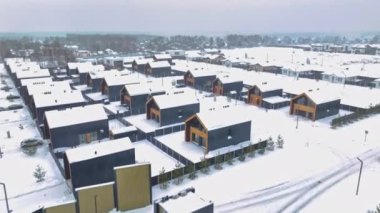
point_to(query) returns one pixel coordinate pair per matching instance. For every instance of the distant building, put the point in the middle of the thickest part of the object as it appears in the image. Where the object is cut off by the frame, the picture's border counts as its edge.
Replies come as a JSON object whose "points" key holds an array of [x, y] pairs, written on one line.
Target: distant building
{"points": [[257, 93], [112, 85], [139, 64], [163, 57], [227, 86], [158, 69]]}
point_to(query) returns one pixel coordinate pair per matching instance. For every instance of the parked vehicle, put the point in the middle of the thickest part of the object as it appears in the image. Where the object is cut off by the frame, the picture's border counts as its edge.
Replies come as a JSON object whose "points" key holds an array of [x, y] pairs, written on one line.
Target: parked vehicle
{"points": [[31, 142], [15, 106]]}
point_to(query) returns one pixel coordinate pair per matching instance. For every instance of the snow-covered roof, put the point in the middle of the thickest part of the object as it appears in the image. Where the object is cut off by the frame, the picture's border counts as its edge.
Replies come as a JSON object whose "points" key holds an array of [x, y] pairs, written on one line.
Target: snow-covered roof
{"points": [[23, 66], [175, 100], [158, 64], [124, 130], [121, 80], [96, 150], [163, 56], [201, 73], [215, 119], [191, 202], [275, 99], [57, 98], [228, 79], [88, 67], [144, 88], [75, 115], [48, 87], [143, 61], [102, 74], [36, 81], [319, 97], [33, 74], [95, 186], [266, 87]]}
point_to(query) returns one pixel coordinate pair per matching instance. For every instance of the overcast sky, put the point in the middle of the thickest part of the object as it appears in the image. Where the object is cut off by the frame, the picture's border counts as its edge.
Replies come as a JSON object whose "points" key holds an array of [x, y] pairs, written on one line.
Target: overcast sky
{"points": [[190, 16]]}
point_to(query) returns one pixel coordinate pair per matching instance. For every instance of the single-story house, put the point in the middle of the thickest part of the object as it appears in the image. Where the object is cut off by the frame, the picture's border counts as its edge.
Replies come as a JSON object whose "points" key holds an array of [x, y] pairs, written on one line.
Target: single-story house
{"points": [[170, 109], [227, 85], [199, 79], [217, 129], [158, 69], [41, 103], [135, 96], [314, 105], [264, 90], [94, 163], [85, 124]]}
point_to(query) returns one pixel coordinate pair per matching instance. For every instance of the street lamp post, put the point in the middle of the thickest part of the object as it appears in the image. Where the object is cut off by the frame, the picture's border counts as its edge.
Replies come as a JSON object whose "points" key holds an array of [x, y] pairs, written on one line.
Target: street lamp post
{"points": [[360, 174], [365, 135], [6, 197]]}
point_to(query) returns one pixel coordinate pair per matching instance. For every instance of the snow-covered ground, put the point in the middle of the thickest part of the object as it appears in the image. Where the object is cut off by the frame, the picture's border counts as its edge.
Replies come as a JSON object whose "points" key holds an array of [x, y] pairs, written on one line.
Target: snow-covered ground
{"points": [[16, 167], [147, 152]]}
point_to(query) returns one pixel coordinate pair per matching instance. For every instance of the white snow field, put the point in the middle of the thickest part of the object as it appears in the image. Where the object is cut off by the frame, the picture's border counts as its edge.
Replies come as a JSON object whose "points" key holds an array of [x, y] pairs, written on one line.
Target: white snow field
{"points": [[16, 167]]}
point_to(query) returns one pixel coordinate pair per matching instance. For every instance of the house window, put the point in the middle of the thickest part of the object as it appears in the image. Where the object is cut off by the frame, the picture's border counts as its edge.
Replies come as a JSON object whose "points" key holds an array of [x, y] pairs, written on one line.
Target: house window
{"points": [[180, 113], [229, 135]]}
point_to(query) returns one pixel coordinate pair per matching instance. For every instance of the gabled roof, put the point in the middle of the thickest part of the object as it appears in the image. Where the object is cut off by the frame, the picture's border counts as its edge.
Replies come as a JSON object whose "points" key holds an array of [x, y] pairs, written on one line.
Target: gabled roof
{"points": [[75, 115], [174, 100], [88, 67], [121, 80], [216, 119], [202, 73], [162, 56], [159, 64], [319, 97], [57, 98], [97, 150], [144, 88], [143, 61], [38, 73], [229, 79], [266, 87], [102, 74]]}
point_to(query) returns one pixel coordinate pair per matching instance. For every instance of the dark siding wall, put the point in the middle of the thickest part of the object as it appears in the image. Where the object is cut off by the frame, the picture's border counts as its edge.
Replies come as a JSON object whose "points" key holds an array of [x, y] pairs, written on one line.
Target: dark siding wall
{"points": [[204, 83], [96, 84], [69, 136], [327, 109], [161, 72], [235, 86], [170, 116], [272, 93], [275, 105], [207, 209], [139, 104], [218, 138], [99, 170], [82, 78], [114, 92]]}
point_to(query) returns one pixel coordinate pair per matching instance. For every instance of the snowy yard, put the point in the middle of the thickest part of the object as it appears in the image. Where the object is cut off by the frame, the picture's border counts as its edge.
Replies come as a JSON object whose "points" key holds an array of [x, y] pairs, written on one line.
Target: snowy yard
{"points": [[17, 168], [147, 152]]}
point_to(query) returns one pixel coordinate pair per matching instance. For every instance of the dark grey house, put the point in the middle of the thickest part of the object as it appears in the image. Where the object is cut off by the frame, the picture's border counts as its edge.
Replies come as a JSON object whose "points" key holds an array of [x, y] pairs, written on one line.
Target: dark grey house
{"points": [[112, 85], [139, 64], [135, 96], [217, 129], [41, 103], [33, 82], [95, 78], [163, 57], [226, 86], [258, 92], [74, 126], [94, 164], [158, 69], [199, 79], [171, 109], [314, 105]]}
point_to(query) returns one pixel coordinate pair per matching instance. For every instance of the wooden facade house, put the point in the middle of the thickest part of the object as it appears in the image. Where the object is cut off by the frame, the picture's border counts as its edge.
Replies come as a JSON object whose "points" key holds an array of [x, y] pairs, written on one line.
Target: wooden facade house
{"points": [[135, 96], [158, 69], [217, 129], [170, 109], [85, 124], [257, 93], [199, 79], [226, 86], [314, 105]]}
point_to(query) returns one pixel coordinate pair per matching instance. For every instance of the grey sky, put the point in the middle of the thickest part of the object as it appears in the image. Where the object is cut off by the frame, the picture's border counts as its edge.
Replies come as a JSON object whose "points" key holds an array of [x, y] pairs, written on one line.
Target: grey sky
{"points": [[190, 16]]}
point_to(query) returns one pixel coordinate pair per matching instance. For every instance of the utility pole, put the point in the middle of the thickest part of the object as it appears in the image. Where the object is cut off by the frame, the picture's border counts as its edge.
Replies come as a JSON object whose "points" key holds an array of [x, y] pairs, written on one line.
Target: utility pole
{"points": [[6, 197], [365, 135], [360, 174]]}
